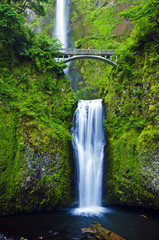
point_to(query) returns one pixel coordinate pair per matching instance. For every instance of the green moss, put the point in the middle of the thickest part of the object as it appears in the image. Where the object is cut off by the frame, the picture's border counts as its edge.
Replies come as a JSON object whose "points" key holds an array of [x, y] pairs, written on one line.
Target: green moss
{"points": [[131, 123], [35, 120], [152, 108], [130, 93]]}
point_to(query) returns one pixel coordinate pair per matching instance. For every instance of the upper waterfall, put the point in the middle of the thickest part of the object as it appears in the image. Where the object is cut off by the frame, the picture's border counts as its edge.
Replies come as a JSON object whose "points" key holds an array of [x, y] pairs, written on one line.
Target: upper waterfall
{"points": [[88, 143], [61, 23]]}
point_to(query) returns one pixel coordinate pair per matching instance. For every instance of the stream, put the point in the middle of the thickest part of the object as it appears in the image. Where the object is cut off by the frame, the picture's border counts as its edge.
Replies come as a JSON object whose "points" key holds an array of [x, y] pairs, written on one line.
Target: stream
{"points": [[61, 224]]}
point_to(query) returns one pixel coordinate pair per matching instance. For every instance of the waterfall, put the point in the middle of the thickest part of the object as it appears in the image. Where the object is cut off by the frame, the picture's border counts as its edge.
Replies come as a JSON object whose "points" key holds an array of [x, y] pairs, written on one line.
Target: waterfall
{"points": [[88, 135], [61, 23], [88, 144]]}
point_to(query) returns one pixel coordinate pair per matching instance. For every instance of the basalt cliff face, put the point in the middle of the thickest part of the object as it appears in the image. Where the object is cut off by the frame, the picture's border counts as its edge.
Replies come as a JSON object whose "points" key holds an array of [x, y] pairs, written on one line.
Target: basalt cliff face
{"points": [[130, 93], [36, 110], [35, 160]]}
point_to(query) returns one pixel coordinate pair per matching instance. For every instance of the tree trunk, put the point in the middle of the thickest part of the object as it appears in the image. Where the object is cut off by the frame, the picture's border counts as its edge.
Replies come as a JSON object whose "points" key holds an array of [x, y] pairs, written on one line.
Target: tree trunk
{"points": [[101, 233]]}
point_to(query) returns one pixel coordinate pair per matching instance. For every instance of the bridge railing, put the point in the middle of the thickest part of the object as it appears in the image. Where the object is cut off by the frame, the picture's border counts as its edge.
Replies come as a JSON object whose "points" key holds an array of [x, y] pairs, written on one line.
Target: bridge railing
{"points": [[76, 51]]}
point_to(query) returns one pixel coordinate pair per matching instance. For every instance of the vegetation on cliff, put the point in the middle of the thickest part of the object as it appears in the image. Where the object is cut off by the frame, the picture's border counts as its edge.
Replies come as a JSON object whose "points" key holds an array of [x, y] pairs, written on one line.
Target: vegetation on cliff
{"points": [[133, 112], [36, 108], [130, 92], [37, 103], [21, 6]]}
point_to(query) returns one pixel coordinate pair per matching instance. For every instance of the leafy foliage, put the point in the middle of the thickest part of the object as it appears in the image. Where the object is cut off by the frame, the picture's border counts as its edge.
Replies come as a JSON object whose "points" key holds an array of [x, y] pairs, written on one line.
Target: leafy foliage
{"points": [[36, 106], [130, 93], [18, 42], [14, 34], [36, 111], [43, 52], [22, 5], [131, 109], [146, 19]]}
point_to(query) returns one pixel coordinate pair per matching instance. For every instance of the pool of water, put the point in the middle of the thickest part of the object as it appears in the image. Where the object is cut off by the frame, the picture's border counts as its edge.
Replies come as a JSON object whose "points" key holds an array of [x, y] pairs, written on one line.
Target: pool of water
{"points": [[130, 223]]}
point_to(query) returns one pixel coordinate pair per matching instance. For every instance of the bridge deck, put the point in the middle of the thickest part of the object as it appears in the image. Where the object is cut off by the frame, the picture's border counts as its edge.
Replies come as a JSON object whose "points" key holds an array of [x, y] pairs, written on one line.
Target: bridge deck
{"points": [[72, 52]]}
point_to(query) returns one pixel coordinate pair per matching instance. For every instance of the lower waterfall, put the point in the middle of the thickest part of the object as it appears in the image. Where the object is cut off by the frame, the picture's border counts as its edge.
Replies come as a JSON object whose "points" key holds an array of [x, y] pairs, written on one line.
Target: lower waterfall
{"points": [[88, 144]]}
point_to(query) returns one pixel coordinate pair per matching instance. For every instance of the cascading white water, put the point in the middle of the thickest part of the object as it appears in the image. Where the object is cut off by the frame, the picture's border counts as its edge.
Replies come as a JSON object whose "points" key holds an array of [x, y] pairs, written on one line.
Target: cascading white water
{"points": [[61, 21], [88, 143], [88, 135]]}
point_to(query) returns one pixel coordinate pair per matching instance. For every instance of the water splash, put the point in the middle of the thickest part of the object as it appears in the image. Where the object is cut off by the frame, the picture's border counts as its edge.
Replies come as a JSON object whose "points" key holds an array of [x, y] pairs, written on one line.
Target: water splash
{"points": [[90, 211], [88, 143]]}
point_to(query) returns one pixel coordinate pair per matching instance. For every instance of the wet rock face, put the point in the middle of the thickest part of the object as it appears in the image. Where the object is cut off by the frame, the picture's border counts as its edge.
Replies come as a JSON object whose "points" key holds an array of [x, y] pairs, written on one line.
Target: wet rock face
{"points": [[30, 16], [37, 165], [39, 182], [101, 3], [44, 23], [44, 185], [150, 170], [149, 162]]}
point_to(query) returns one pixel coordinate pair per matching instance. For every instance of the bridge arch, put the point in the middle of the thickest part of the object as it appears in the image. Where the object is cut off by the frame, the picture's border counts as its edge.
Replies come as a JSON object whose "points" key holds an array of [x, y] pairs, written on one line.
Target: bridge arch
{"points": [[68, 55], [95, 57]]}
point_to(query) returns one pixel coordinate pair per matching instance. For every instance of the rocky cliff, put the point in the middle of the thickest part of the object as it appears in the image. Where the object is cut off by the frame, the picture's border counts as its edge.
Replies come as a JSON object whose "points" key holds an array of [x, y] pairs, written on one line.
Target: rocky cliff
{"points": [[130, 93], [36, 110]]}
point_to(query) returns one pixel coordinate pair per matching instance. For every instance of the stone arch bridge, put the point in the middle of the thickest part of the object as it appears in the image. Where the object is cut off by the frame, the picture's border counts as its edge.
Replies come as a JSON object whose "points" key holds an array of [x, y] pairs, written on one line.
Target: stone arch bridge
{"points": [[104, 55]]}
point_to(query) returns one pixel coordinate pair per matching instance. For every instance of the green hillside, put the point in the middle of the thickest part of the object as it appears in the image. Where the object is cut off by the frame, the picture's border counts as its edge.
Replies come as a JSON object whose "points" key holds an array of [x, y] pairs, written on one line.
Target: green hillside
{"points": [[130, 92], [36, 106]]}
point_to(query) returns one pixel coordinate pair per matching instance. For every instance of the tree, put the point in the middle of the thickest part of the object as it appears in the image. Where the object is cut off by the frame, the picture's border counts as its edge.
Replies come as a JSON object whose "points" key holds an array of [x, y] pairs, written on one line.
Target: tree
{"points": [[14, 34], [150, 9], [22, 5], [19, 42], [146, 19]]}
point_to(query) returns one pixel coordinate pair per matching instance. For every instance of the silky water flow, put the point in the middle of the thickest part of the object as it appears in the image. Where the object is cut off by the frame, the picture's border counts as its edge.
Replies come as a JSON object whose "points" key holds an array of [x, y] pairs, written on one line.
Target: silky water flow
{"points": [[88, 134], [61, 23], [88, 144]]}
